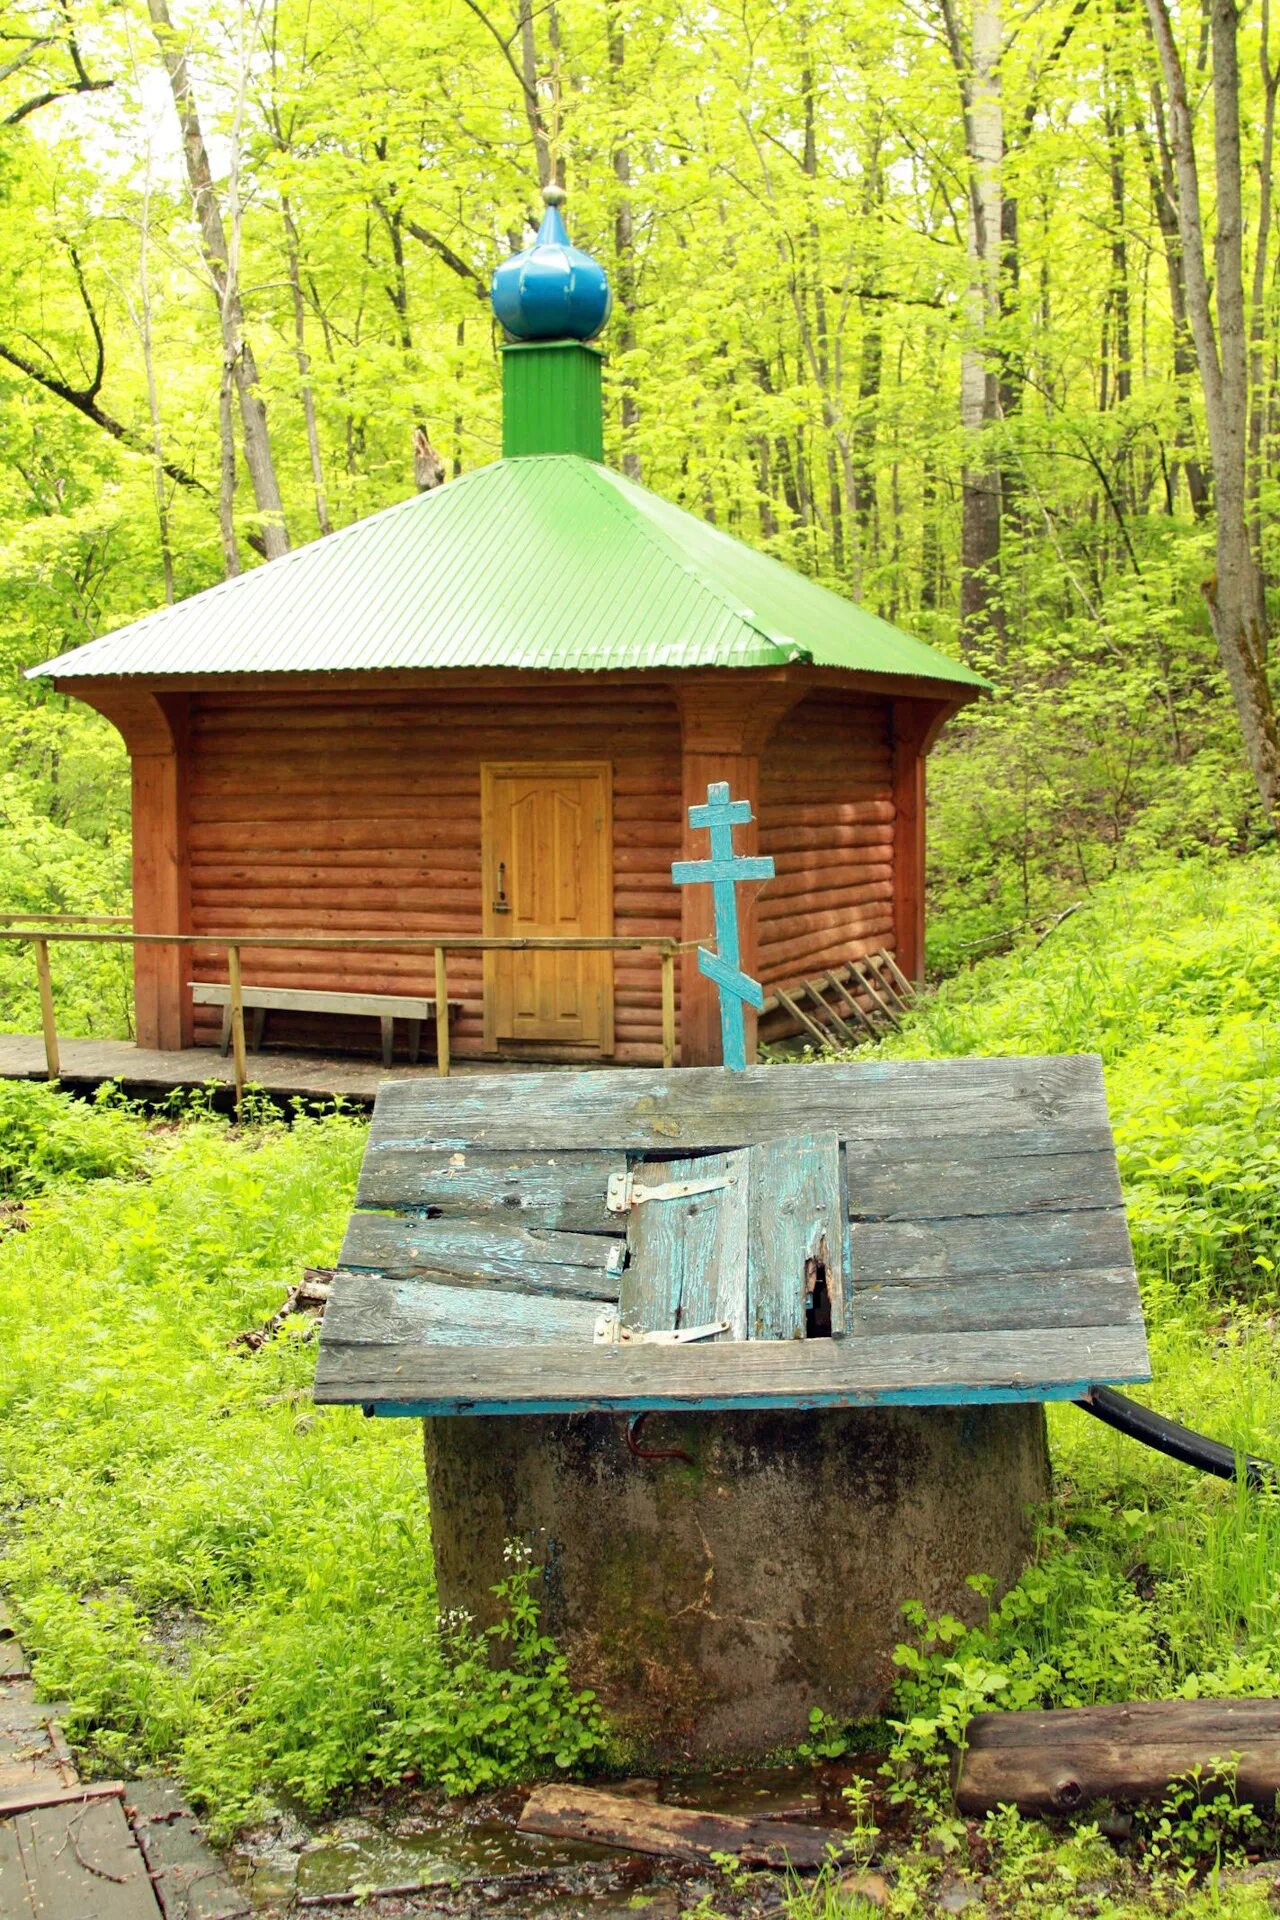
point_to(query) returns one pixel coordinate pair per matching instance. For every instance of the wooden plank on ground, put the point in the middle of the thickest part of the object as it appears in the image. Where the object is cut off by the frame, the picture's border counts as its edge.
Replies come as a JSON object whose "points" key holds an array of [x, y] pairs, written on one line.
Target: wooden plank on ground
{"points": [[31, 1761], [74, 1863], [688, 1264], [20, 1711], [914, 1369], [366, 1311], [491, 1253], [190, 1881], [900, 1101], [681, 1833], [1058, 1761], [14, 1664], [556, 1191], [795, 1221], [24, 1799]]}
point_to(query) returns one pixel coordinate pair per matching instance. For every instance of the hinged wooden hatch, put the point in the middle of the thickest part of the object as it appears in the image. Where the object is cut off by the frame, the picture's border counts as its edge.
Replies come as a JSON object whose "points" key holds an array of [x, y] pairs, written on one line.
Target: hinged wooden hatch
{"points": [[932, 1232]]}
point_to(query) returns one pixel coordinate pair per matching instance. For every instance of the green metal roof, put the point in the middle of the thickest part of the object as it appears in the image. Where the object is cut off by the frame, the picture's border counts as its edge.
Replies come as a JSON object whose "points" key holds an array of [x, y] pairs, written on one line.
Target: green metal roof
{"points": [[547, 561]]}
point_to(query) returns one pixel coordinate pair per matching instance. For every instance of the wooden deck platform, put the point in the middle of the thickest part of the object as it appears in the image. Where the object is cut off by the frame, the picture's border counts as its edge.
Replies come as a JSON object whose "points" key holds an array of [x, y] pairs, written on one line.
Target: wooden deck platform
{"points": [[144, 1071]]}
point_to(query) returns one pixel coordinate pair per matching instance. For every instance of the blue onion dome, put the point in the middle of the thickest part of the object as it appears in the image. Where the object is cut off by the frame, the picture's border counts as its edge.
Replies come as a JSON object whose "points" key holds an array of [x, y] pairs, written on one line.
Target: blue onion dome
{"points": [[552, 291]]}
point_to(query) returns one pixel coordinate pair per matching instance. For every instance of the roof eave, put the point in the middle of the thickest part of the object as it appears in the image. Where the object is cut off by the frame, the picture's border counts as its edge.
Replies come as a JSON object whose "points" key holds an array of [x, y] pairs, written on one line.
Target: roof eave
{"points": [[892, 685]]}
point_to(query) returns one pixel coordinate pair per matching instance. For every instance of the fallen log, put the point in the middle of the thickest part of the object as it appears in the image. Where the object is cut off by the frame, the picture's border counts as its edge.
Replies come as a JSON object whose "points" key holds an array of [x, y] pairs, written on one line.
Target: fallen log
{"points": [[1061, 1760], [680, 1833]]}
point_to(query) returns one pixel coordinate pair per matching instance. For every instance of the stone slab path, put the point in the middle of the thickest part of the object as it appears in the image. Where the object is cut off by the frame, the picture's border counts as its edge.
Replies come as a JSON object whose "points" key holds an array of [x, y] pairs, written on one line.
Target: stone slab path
{"points": [[92, 1850]]}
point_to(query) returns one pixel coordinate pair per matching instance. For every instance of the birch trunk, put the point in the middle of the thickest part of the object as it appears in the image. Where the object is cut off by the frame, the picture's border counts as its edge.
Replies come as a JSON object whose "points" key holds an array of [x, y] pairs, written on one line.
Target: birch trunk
{"points": [[978, 74], [624, 264], [1164, 199], [142, 321], [1259, 396], [237, 351], [303, 359], [1234, 593], [227, 474]]}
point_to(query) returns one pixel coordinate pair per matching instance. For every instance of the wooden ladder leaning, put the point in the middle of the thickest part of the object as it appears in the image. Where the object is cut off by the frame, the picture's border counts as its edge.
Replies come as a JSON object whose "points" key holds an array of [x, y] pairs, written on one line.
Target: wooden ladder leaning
{"points": [[843, 1006]]}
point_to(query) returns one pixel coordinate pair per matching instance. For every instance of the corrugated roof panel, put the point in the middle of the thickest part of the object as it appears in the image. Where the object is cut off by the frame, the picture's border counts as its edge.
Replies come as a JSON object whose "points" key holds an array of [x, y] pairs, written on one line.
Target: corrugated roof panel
{"points": [[548, 561]]}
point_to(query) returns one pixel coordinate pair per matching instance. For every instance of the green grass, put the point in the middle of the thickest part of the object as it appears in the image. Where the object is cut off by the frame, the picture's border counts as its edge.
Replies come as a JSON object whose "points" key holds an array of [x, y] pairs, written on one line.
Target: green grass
{"points": [[1150, 1580], [1154, 1579], [222, 1580], [227, 1583]]}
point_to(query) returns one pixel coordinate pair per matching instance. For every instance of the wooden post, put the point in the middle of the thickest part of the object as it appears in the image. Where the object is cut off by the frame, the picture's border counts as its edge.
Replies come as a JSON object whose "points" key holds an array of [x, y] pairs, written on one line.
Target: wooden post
{"points": [[237, 1021], [916, 725], [442, 1014], [46, 1009], [669, 1008], [154, 727]]}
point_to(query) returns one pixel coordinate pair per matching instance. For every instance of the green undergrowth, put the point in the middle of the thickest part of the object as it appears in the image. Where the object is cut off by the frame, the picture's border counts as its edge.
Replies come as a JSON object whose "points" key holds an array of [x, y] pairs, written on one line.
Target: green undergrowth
{"points": [[222, 1580], [1150, 1580], [228, 1584]]}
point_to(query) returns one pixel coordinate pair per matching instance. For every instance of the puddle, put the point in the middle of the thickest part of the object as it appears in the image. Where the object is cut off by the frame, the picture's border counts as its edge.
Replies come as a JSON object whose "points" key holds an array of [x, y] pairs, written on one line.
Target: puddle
{"points": [[445, 1854], [478, 1862]]}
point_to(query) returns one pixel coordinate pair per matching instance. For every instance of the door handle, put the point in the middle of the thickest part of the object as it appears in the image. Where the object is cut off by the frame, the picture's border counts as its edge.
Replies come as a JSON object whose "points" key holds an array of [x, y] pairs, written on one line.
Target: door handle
{"points": [[502, 904]]}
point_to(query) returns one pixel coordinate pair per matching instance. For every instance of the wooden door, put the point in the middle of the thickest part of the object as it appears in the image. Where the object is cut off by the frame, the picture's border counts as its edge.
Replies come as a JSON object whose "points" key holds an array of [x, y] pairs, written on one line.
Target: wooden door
{"points": [[548, 873]]}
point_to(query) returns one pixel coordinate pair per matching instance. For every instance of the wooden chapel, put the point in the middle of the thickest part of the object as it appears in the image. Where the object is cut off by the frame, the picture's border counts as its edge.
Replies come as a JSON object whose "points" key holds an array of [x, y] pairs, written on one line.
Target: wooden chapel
{"points": [[487, 710]]}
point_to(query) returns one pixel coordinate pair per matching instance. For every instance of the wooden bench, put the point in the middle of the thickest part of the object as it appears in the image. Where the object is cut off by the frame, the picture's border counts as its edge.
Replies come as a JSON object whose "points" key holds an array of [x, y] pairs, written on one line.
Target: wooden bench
{"points": [[387, 1008]]}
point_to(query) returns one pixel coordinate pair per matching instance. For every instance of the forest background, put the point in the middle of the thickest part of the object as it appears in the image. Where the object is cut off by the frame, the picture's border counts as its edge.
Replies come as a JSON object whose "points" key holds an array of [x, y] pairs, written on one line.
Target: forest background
{"points": [[969, 308]]}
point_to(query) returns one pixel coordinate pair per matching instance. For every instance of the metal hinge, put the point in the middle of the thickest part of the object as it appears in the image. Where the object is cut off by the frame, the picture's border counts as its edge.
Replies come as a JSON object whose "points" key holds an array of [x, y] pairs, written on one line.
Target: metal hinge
{"points": [[610, 1332], [625, 1191]]}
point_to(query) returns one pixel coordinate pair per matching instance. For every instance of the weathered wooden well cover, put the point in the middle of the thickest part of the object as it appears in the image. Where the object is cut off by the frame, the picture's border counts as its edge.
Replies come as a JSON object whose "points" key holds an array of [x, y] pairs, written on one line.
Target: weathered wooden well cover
{"points": [[923, 1232]]}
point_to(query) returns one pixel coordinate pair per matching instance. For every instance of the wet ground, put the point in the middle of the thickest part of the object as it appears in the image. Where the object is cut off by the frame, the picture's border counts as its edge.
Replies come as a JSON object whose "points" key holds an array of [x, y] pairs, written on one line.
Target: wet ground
{"points": [[466, 1859]]}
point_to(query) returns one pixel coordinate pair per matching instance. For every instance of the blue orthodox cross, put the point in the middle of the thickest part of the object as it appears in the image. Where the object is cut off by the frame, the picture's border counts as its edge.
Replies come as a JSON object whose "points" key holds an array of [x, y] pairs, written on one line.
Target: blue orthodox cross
{"points": [[725, 867]]}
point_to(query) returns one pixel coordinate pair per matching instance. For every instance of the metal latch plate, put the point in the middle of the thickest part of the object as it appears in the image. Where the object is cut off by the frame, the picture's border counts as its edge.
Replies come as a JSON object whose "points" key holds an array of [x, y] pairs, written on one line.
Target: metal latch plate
{"points": [[610, 1332], [625, 1191]]}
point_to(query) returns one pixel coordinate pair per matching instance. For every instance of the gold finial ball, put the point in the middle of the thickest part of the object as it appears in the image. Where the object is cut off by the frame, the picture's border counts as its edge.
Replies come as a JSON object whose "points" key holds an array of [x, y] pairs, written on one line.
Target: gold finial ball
{"points": [[555, 196]]}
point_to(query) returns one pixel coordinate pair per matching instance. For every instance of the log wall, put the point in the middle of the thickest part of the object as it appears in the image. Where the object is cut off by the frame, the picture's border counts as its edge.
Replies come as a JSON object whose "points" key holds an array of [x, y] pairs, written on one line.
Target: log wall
{"points": [[326, 812], [827, 817]]}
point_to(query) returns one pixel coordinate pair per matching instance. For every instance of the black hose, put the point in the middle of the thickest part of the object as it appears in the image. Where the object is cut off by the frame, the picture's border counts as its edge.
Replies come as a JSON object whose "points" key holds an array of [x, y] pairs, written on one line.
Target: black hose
{"points": [[1180, 1443]]}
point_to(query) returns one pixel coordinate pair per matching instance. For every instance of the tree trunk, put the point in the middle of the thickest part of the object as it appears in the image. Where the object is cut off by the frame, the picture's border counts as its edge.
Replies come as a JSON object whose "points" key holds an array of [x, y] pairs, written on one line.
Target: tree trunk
{"points": [[978, 74], [142, 320], [871, 360], [236, 348], [304, 366], [1234, 593], [428, 467], [624, 262], [1164, 199], [227, 474], [1118, 291], [389, 212], [1258, 383], [530, 81]]}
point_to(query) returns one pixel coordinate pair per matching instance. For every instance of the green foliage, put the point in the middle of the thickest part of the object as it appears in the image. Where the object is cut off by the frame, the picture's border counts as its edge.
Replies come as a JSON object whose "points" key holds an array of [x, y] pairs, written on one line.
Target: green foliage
{"points": [[62, 852], [220, 1579], [47, 1140], [1173, 976], [1203, 1822], [1149, 1580], [792, 314]]}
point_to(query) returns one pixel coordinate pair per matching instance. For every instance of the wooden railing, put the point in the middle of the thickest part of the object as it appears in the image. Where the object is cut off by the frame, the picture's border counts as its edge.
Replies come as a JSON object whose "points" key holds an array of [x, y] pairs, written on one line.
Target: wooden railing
{"points": [[89, 931]]}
